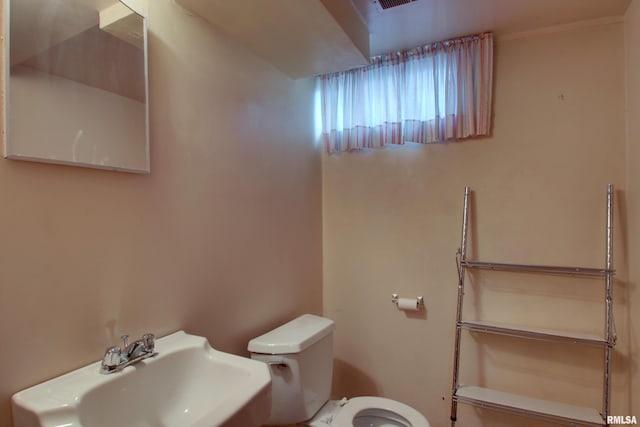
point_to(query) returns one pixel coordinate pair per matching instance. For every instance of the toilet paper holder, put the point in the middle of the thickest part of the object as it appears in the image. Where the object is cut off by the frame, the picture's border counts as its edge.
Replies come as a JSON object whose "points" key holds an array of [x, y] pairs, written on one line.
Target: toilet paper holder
{"points": [[419, 300]]}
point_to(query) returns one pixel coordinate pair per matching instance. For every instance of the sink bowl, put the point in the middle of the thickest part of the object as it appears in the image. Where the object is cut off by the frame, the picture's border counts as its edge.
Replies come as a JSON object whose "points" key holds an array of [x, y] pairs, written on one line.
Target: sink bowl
{"points": [[187, 384]]}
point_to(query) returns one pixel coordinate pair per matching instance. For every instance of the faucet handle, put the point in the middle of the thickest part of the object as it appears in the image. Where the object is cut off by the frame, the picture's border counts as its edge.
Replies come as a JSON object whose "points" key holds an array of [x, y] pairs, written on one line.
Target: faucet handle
{"points": [[149, 341], [112, 358], [125, 341]]}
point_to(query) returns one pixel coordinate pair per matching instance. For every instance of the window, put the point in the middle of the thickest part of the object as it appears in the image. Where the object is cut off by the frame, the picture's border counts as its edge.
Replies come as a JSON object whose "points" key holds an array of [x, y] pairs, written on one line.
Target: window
{"points": [[434, 93]]}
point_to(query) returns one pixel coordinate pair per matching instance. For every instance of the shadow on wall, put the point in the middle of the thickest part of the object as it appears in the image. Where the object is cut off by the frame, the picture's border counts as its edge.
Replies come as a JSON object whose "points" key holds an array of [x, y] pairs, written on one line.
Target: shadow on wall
{"points": [[625, 358], [351, 381]]}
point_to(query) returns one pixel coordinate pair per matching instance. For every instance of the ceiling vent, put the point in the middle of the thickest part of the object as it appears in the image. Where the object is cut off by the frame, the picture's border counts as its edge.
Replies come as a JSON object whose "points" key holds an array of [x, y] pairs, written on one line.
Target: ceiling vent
{"points": [[388, 4]]}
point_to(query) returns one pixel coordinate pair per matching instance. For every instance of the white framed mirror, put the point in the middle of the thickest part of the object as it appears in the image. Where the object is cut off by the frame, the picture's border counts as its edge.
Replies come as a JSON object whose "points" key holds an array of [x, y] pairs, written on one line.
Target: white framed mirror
{"points": [[76, 89]]}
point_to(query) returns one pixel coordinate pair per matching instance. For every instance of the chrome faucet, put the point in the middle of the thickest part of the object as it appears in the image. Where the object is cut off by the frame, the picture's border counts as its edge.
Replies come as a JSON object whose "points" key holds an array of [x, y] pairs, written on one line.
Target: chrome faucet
{"points": [[116, 359]]}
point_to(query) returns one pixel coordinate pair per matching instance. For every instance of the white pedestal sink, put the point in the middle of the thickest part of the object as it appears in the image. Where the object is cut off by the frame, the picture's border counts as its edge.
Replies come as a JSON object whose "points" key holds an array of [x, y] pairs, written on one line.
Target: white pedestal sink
{"points": [[187, 384]]}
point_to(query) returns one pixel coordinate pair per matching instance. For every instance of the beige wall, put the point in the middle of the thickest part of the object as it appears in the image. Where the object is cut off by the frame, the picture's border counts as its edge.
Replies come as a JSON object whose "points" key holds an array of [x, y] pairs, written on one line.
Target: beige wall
{"points": [[392, 222], [632, 39], [223, 239]]}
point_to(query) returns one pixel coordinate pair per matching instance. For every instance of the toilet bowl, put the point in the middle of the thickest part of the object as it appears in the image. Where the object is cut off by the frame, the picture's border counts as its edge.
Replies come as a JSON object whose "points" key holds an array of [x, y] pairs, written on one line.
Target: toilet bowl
{"points": [[367, 411], [300, 356]]}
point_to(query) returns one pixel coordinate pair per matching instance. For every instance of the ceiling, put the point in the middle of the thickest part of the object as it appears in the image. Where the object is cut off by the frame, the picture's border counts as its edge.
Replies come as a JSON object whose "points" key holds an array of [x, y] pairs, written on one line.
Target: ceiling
{"points": [[300, 37], [310, 37], [424, 21]]}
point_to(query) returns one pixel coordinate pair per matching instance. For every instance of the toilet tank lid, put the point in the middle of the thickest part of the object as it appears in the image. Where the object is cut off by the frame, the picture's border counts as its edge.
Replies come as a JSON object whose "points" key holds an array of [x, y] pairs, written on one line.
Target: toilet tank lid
{"points": [[292, 337]]}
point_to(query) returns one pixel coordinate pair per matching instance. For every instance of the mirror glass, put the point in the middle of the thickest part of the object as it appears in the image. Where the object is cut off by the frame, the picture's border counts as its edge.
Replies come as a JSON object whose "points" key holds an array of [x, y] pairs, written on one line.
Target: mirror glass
{"points": [[77, 86]]}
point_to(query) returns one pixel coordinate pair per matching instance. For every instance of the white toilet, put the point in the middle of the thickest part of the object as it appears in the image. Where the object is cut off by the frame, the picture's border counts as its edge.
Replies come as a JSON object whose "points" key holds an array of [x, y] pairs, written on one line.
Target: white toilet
{"points": [[300, 354]]}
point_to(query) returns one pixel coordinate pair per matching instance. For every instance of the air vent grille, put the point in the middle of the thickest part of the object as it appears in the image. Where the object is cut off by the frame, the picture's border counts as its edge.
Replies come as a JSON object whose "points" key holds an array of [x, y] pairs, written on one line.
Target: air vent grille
{"points": [[388, 4]]}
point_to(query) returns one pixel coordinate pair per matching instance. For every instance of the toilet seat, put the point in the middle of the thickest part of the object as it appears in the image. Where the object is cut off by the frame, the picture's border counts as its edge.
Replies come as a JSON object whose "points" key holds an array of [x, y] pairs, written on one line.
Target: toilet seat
{"points": [[379, 406], [363, 411]]}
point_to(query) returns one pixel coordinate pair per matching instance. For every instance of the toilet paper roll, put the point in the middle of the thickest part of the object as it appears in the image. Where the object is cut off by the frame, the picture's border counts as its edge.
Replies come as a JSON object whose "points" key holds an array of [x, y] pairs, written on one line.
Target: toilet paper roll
{"points": [[410, 304]]}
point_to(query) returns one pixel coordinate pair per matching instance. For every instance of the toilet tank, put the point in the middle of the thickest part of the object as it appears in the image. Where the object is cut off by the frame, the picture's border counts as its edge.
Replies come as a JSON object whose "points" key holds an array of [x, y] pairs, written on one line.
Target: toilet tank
{"points": [[300, 357]]}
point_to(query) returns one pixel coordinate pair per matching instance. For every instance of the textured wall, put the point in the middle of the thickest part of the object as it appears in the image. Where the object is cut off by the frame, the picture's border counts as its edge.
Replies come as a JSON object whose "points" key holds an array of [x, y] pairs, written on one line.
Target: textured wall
{"points": [[222, 239], [392, 222], [632, 39]]}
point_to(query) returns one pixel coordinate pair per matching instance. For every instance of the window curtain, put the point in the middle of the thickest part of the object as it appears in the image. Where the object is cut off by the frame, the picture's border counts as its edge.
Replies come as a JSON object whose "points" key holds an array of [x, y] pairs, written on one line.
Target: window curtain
{"points": [[434, 93]]}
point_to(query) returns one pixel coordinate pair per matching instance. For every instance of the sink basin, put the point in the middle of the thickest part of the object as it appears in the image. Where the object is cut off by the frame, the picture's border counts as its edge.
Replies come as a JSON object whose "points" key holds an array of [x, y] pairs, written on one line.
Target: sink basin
{"points": [[187, 384]]}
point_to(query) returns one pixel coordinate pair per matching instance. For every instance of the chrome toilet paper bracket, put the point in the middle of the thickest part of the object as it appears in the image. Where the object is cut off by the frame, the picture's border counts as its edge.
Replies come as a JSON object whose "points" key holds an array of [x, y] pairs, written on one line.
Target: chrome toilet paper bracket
{"points": [[419, 300]]}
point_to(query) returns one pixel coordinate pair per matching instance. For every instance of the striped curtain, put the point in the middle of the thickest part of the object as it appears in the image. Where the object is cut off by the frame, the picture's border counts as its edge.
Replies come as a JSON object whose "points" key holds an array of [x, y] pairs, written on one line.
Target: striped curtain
{"points": [[434, 93]]}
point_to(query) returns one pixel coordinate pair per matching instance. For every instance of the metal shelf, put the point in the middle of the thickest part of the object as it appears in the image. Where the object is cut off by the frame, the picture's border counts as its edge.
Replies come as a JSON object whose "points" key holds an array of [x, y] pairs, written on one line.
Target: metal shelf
{"points": [[549, 269], [522, 405], [533, 333]]}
